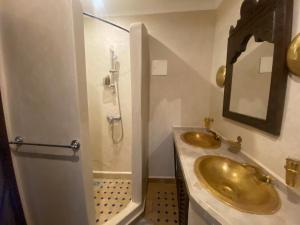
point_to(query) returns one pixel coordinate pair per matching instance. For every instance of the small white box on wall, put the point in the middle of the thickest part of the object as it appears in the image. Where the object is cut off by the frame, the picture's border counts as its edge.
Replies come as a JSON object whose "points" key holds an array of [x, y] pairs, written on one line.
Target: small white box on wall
{"points": [[159, 68]]}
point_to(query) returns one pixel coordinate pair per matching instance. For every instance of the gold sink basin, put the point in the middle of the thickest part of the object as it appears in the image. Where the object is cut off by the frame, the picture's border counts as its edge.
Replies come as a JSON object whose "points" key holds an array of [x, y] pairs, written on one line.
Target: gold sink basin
{"points": [[241, 186], [201, 139]]}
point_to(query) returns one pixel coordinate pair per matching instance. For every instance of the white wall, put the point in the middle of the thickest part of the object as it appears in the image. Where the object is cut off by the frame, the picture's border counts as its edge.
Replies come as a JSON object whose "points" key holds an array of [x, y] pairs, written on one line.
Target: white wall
{"points": [[140, 110], [266, 149], [43, 74], [99, 38], [185, 40]]}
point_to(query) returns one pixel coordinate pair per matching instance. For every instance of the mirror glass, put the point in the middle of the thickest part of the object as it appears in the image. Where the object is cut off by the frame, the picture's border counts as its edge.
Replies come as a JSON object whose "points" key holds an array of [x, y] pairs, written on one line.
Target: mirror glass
{"points": [[251, 80]]}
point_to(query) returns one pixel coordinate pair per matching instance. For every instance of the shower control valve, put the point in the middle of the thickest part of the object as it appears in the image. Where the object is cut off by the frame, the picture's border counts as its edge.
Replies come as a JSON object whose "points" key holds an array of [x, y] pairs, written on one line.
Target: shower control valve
{"points": [[112, 119]]}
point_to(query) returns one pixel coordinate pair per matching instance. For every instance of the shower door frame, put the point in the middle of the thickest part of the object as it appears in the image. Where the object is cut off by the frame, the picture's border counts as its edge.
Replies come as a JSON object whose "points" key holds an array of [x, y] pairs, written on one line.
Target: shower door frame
{"points": [[140, 80]]}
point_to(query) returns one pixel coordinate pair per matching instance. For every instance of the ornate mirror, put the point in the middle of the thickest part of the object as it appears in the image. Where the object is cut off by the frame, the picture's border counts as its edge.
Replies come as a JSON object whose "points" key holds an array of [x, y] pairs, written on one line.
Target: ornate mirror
{"points": [[256, 77]]}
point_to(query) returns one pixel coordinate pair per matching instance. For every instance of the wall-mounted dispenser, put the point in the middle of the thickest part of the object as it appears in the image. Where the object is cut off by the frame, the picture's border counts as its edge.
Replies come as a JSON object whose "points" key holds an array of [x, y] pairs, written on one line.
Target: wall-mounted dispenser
{"points": [[106, 81], [292, 168]]}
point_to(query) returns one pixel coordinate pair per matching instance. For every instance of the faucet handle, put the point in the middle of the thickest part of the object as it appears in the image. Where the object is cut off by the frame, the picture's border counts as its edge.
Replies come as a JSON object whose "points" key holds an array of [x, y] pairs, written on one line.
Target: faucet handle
{"points": [[268, 179], [208, 122], [235, 146]]}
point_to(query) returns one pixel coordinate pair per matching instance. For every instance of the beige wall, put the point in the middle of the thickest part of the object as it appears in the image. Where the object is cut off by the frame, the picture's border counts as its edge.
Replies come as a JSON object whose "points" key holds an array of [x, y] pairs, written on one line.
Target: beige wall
{"points": [[99, 38], [41, 79], [185, 40], [266, 149], [139, 52]]}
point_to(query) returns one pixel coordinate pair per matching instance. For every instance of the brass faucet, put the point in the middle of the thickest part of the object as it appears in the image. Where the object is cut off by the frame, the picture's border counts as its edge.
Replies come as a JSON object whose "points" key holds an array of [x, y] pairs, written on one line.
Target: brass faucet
{"points": [[259, 174], [208, 121], [292, 168], [234, 146], [216, 136], [208, 124]]}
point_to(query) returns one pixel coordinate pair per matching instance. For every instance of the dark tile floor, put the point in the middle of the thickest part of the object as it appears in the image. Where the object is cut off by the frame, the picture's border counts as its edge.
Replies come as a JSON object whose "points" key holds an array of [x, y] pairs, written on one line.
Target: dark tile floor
{"points": [[161, 204]]}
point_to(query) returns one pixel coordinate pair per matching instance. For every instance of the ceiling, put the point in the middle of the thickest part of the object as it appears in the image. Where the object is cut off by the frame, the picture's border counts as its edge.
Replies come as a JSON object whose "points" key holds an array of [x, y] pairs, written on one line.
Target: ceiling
{"points": [[140, 7]]}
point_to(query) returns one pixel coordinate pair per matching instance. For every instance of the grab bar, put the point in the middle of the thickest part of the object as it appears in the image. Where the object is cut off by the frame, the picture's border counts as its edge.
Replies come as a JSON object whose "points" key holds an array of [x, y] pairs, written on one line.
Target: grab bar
{"points": [[75, 144]]}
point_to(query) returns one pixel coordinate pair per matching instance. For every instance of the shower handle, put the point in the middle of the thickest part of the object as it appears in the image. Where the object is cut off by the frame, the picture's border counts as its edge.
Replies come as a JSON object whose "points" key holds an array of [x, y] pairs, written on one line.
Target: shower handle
{"points": [[112, 119]]}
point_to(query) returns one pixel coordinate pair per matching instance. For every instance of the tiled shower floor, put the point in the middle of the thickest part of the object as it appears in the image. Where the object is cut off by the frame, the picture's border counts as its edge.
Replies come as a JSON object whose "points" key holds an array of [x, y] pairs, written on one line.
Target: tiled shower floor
{"points": [[111, 196]]}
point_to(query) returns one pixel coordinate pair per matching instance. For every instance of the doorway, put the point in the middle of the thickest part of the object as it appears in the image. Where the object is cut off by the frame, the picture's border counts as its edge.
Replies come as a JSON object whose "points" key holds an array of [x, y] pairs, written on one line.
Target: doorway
{"points": [[11, 212]]}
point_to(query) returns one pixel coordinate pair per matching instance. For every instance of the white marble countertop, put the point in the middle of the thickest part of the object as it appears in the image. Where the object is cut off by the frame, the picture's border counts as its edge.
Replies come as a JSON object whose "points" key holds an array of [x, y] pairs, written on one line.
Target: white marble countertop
{"points": [[288, 214]]}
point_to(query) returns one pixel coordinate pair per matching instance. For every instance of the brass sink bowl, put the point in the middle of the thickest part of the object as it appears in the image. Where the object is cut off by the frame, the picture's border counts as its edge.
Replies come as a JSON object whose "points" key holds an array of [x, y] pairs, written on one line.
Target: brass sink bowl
{"points": [[201, 139], [239, 185]]}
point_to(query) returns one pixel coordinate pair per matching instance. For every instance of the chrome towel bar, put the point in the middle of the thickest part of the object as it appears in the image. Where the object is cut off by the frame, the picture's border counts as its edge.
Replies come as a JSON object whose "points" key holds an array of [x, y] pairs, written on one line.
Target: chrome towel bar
{"points": [[75, 144]]}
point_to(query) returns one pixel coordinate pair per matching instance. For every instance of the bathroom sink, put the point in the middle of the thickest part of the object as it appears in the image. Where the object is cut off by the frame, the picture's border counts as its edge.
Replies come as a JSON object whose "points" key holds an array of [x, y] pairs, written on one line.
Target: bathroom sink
{"points": [[201, 139], [241, 186]]}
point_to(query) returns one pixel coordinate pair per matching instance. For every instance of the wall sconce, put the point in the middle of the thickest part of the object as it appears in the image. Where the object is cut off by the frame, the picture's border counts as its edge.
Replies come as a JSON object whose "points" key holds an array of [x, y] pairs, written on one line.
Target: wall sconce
{"points": [[293, 56], [221, 75]]}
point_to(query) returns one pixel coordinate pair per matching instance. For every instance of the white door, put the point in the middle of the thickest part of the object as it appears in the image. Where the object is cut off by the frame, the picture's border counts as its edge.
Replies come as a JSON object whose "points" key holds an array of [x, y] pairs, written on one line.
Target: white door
{"points": [[44, 94]]}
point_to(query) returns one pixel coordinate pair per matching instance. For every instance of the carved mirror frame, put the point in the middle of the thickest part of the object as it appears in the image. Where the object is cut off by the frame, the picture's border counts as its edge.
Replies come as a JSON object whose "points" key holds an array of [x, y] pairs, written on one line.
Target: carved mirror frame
{"points": [[265, 20]]}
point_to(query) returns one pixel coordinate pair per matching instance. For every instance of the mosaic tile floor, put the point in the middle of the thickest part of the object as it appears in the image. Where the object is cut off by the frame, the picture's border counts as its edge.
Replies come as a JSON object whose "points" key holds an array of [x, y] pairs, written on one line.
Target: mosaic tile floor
{"points": [[111, 196], [161, 204]]}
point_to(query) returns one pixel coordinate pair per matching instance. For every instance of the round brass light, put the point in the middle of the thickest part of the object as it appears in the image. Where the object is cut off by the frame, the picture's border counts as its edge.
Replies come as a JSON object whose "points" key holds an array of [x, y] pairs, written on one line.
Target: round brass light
{"points": [[221, 74], [293, 56]]}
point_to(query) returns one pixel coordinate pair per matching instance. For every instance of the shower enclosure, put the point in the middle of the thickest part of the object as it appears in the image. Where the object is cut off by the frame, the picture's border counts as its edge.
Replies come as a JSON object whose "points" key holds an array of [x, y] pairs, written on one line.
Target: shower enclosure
{"points": [[109, 85]]}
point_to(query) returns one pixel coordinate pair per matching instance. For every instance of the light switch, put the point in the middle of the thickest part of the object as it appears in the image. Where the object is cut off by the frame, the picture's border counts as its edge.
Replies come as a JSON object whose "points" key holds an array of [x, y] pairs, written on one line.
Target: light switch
{"points": [[266, 64], [159, 68]]}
